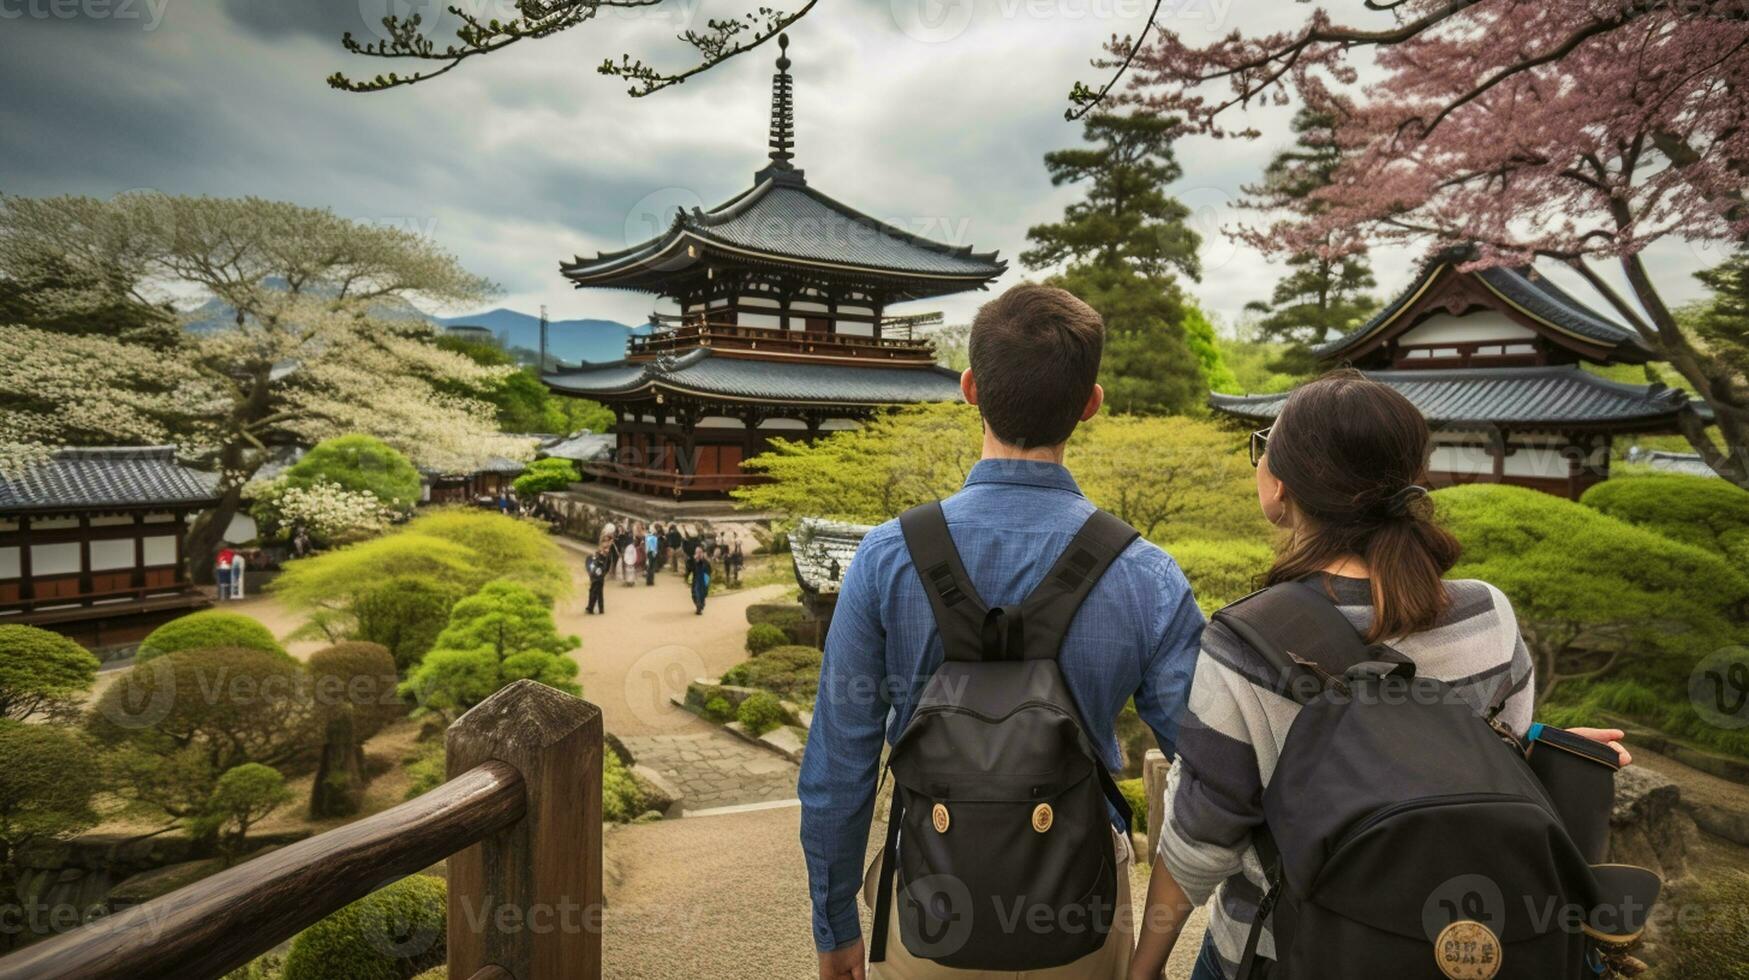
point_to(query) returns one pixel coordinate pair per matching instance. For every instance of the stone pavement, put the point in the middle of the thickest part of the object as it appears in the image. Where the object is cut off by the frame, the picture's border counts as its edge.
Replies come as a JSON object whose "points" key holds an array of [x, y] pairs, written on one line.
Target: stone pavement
{"points": [[713, 768]]}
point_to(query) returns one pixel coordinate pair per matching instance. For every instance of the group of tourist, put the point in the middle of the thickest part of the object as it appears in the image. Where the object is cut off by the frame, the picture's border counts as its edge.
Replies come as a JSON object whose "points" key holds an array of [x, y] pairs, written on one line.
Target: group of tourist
{"points": [[1008, 625], [638, 550]]}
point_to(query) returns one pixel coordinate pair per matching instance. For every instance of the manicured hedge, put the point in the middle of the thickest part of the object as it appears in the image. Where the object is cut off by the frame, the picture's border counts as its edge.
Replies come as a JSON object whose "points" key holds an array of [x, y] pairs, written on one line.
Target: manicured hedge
{"points": [[764, 636], [791, 672], [1221, 571], [394, 933], [1695, 510], [203, 630], [761, 713]]}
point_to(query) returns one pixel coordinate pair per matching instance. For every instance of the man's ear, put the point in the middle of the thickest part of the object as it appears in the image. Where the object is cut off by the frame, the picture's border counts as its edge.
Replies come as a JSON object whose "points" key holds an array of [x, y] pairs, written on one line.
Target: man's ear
{"points": [[1093, 402], [969, 387]]}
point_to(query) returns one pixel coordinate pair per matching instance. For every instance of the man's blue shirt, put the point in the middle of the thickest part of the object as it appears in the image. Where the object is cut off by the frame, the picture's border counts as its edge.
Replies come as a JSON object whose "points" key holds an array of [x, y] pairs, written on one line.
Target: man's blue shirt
{"points": [[1135, 635]]}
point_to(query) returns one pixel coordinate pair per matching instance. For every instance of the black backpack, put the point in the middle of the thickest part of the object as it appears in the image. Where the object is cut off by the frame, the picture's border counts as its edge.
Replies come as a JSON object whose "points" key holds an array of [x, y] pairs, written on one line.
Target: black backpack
{"points": [[1406, 835], [999, 796]]}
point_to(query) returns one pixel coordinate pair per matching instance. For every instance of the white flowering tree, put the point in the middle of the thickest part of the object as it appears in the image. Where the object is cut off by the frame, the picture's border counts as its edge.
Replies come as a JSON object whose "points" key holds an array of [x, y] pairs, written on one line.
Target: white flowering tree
{"points": [[320, 338]]}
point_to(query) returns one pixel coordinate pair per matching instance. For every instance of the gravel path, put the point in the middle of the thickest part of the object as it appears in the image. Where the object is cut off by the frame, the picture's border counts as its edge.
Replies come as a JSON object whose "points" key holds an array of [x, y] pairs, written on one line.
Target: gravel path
{"points": [[727, 896]]}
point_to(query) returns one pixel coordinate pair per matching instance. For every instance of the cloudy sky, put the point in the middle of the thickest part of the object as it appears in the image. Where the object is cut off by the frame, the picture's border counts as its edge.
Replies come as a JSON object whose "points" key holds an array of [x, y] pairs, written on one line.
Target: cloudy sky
{"points": [[931, 114]]}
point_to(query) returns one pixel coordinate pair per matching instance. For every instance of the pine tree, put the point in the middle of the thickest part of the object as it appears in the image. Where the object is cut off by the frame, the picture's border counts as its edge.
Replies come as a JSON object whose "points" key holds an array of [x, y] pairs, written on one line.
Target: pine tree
{"points": [[1122, 248], [1320, 298]]}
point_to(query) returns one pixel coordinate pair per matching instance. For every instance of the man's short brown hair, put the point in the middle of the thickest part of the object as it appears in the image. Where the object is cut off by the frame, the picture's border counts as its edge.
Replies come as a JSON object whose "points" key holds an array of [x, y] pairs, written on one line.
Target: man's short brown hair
{"points": [[1035, 356]]}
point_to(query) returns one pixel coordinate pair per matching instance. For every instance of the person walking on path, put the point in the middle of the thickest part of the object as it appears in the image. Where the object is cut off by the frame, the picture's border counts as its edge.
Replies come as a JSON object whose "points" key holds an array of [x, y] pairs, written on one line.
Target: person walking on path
{"points": [[1035, 353], [674, 543], [701, 580], [222, 572], [736, 558], [628, 562], [611, 545], [691, 546], [652, 555], [237, 566], [597, 568]]}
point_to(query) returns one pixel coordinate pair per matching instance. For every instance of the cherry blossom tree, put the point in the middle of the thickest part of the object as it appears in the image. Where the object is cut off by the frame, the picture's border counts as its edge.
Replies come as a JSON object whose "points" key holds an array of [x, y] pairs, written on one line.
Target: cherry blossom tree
{"points": [[320, 337], [1580, 132]]}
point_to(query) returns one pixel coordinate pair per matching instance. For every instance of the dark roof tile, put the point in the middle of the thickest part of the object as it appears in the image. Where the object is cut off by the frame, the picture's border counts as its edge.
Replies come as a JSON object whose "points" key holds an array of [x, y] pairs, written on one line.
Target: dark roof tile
{"points": [[123, 476]]}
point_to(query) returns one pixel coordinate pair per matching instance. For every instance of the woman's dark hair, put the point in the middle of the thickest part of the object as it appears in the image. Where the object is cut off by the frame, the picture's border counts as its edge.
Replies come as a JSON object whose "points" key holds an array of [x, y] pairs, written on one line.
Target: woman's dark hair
{"points": [[1352, 454]]}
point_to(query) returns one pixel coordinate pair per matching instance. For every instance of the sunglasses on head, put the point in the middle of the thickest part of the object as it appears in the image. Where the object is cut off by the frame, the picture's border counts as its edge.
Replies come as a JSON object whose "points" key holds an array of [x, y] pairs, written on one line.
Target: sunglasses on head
{"points": [[1259, 444]]}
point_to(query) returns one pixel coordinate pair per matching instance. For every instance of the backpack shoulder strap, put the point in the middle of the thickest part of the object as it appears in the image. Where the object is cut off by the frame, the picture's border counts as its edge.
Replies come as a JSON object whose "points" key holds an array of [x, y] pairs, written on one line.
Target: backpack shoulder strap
{"points": [[1304, 639], [1051, 607], [959, 613]]}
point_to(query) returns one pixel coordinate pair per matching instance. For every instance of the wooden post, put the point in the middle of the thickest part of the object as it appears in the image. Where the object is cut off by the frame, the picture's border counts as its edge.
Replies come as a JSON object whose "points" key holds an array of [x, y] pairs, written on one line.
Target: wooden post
{"points": [[1154, 770], [528, 898]]}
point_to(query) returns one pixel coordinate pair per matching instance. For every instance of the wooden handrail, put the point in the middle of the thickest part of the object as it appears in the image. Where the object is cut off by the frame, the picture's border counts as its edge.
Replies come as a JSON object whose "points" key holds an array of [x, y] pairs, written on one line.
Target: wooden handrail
{"points": [[519, 821], [222, 922]]}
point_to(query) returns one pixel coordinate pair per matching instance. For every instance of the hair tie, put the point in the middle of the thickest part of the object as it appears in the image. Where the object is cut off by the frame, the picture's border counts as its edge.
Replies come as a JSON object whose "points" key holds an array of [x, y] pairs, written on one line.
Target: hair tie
{"points": [[1402, 500]]}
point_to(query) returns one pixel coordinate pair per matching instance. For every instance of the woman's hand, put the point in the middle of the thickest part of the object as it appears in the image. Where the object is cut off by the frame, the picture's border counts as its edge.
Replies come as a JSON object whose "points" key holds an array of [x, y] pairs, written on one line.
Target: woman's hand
{"points": [[1609, 736]]}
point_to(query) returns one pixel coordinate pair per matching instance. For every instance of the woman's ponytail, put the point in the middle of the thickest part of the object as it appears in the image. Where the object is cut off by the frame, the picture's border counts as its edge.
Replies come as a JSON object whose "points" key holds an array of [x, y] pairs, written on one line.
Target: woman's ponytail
{"points": [[1352, 454]]}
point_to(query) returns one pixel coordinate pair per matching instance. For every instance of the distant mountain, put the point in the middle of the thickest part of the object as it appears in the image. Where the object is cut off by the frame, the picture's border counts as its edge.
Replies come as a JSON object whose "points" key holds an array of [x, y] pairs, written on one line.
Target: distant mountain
{"points": [[567, 340], [518, 333]]}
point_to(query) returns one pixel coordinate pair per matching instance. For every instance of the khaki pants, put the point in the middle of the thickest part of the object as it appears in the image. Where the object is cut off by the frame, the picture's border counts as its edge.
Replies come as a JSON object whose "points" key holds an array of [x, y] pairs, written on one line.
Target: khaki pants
{"points": [[1110, 961]]}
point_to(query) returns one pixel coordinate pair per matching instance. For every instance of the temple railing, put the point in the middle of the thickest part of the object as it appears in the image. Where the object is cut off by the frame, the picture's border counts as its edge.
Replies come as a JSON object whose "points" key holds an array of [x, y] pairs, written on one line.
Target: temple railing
{"points": [[644, 480], [519, 821], [728, 336]]}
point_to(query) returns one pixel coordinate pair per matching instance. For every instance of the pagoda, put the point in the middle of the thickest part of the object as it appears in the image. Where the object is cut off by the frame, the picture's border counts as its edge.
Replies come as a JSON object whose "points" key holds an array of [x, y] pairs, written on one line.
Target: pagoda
{"points": [[783, 326], [1495, 358]]}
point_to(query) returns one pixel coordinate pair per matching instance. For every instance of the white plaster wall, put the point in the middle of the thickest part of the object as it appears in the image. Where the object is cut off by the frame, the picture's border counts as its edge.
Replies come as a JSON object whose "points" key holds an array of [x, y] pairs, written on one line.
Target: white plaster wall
{"points": [[115, 553], [161, 551], [1482, 325], [9, 566], [54, 559]]}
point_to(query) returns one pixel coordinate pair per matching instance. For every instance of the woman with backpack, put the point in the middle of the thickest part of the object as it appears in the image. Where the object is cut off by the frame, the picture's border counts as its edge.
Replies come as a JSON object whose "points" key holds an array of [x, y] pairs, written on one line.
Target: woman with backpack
{"points": [[1343, 473]]}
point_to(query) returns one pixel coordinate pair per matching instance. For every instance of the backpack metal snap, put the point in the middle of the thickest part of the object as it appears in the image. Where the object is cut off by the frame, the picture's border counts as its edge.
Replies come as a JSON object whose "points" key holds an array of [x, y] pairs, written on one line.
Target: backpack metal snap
{"points": [[1042, 817], [938, 816]]}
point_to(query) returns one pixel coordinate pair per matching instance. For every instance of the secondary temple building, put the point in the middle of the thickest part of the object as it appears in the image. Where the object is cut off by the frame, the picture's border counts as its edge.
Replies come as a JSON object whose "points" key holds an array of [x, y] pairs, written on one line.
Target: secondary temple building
{"points": [[91, 542], [1493, 358], [783, 326]]}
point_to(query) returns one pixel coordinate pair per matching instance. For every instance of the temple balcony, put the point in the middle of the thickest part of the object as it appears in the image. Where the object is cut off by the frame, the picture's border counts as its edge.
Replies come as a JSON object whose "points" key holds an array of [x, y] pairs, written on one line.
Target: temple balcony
{"points": [[769, 342]]}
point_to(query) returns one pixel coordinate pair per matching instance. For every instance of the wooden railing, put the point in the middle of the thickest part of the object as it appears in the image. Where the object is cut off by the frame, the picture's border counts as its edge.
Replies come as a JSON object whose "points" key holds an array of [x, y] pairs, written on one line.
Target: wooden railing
{"points": [[1155, 768], [728, 336], [519, 821], [644, 480]]}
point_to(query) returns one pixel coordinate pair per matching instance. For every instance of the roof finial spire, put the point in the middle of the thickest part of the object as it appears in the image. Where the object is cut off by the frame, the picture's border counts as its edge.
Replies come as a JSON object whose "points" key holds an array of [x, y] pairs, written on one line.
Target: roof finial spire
{"points": [[783, 116]]}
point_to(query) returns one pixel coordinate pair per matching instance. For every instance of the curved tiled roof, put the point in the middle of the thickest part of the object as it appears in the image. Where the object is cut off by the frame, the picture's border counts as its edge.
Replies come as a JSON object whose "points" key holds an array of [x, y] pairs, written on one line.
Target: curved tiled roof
{"points": [[782, 220], [1520, 286], [699, 372], [1541, 396], [115, 476]]}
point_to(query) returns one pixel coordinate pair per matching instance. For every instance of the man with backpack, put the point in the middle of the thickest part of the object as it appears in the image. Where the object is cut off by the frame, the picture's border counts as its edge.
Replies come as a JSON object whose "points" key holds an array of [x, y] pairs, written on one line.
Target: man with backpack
{"points": [[993, 638]]}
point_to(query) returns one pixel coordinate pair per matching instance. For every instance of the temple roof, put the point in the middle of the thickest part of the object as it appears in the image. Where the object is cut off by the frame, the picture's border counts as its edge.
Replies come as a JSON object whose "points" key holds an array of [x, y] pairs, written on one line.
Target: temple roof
{"points": [[107, 477], [698, 372], [1536, 397], [821, 551], [1521, 288], [782, 221]]}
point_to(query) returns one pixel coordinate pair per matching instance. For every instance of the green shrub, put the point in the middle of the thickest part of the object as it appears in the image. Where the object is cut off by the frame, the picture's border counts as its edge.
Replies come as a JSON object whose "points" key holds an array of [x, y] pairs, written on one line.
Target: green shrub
{"points": [[622, 799], [358, 679], [764, 636], [1697, 510], [405, 613], [394, 933], [1221, 571], [1137, 795], [235, 705], [544, 475], [242, 797], [48, 775], [203, 630], [269, 966], [1593, 593], [42, 672], [425, 767], [779, 614], [502, 633], [761, 713], [717, 709], [791, 672], [360, 463]]}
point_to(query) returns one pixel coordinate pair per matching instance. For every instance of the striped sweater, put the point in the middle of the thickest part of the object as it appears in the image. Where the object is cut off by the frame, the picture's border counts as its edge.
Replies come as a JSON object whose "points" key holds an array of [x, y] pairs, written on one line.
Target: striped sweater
{"points": [[1234, 730]]}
